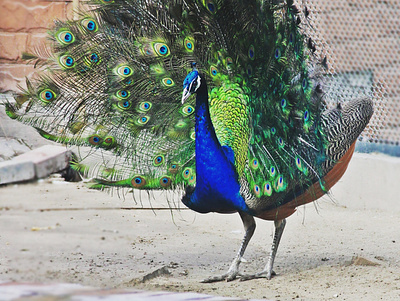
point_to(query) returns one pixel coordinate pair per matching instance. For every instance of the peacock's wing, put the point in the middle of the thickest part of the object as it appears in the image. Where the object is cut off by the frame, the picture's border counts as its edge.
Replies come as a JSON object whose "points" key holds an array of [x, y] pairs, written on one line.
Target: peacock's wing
{"points": [[112, 81]]}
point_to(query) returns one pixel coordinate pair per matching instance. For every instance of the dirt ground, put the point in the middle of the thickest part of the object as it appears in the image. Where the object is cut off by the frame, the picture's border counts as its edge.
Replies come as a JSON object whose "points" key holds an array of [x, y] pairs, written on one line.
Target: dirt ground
{"points": [[53, 231]]}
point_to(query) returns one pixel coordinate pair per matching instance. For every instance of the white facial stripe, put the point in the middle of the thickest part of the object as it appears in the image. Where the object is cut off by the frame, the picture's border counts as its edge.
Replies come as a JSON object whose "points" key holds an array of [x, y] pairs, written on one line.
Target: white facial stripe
{"points": [[198, 82]]}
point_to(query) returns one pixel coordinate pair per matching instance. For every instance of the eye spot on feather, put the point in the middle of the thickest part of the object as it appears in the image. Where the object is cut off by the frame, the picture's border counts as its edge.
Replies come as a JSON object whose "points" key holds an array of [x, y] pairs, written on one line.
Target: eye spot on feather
{"points": [[143, 120], [109, 142], [173, 168], [213, 71], [122, 94], [124, 104], [272, 171], [47, 96], [257, 191], [168, 82], [278, 53], [89, 24], [145, 106], [186, 173], [192, 179], [189, 44], [306, 115], [158, 160], [187, 110], [267, 189], [283, 103], [65, 37], [251, 52], [193, 135], [254, 164], [94, 58], [229, 63], [273, 131], [210, 6], [165, 182], [304, 84], [138, 182], [281, 143], [280, 184], [300, 166], [124, 71], [94, 140], [271, 82], [161, 49], [66, 61], [181, 124]]}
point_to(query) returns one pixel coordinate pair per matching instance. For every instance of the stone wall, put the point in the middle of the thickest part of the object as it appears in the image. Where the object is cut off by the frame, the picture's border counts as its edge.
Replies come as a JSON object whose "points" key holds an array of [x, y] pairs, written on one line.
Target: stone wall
{"points": [[23, 24]]}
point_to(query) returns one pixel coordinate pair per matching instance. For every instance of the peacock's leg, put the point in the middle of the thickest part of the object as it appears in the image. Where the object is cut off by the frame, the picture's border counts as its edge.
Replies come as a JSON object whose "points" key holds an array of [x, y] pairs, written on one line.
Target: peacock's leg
{"points": [[249, 227], [268, 272]]}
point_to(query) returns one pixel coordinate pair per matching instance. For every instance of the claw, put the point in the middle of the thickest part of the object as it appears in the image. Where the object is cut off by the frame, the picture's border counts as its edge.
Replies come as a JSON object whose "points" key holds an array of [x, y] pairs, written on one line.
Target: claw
{"points": [[230, 276], [264, 274]]}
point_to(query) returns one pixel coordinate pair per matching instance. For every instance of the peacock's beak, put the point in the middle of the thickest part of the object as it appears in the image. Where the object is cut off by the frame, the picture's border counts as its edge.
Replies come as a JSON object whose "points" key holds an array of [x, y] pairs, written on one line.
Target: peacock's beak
{"points": [[185, 95]]}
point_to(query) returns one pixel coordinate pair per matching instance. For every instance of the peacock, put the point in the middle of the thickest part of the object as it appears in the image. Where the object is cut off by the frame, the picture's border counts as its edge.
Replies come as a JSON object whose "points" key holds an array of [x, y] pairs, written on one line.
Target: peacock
{"points": [[248, 132]]}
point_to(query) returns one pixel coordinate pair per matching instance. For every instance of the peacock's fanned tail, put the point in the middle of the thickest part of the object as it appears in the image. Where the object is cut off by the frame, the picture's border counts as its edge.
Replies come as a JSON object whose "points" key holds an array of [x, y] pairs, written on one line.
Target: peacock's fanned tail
{"points": [[113, 83]]}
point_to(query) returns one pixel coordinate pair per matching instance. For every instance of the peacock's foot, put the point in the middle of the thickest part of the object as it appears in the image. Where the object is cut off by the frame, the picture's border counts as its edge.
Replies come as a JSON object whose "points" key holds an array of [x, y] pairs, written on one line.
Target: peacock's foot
{"points": [[263, 274], [225, 277]]}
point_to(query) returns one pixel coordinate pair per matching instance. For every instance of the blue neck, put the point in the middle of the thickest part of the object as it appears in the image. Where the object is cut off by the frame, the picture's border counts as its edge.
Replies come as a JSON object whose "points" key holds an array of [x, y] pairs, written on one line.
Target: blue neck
{"points": [[217, 186]]}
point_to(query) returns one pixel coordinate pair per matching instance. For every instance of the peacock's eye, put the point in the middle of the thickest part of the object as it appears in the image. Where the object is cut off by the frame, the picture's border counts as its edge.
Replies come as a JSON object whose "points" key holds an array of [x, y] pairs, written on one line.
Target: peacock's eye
{"points": [[174, 167], [277, 53], [210, 6], [268, 189], [124, 71], [67, 61], [94, 58], [213, 71], [272, 171], [124, 104], [168, 82], [161, 49], [145, 106], [306, 115], [304, 84], [165, 181], [158, 160], [89, 24], [47, 95], [138, 182], [257, 190], [283, 103], [65, 37], [187, 172], [189, 44], [254, 163], [187, 110], [143, 120], [251, 52], [94, 140], [122, 94]]}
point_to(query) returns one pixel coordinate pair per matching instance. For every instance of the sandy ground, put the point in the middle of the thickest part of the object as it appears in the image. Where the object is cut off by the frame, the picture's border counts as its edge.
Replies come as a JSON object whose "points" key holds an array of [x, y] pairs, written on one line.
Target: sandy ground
{"points": [[53, 231]]}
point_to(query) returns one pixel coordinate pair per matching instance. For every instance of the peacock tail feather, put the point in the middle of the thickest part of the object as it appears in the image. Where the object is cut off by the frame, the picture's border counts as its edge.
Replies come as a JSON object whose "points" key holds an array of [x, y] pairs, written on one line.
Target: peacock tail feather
{"points": [[112, 82]]}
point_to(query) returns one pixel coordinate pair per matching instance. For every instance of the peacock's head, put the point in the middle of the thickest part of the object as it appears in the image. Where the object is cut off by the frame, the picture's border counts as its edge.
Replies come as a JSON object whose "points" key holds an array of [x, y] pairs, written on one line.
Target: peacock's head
{"points": [[191, 83]]}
